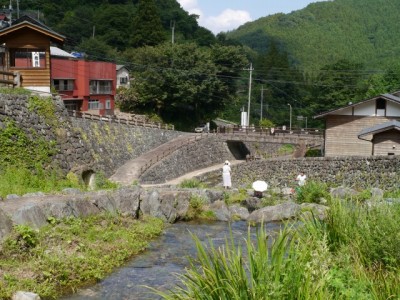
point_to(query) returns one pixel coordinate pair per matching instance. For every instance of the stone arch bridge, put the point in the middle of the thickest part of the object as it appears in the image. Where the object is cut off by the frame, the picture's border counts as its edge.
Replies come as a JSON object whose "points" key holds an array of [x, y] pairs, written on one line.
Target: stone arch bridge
{"points": [[190, 152]]}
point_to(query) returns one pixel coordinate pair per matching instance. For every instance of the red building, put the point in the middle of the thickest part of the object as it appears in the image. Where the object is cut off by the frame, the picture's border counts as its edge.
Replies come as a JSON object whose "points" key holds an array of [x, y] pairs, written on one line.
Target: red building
{"points": [[87, 86]]}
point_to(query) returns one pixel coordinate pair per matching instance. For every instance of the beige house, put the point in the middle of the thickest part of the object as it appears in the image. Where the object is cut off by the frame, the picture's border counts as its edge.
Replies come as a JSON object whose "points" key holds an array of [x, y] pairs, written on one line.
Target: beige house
{"points": [[363, 128]]}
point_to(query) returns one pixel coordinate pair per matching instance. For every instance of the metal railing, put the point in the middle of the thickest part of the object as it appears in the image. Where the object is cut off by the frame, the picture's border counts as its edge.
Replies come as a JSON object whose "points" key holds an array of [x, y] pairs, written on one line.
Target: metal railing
{"points": [[277, 131], [115, 119]]}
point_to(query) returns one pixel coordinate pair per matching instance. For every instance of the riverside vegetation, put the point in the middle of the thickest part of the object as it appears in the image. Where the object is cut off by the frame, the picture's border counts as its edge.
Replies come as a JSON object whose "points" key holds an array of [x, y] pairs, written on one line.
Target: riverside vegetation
{"points": [[353, 254]]}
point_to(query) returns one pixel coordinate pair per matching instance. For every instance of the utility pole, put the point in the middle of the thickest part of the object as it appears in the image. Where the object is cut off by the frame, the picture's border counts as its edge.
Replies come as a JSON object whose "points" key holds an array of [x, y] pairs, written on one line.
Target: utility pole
{"points": [[248, 104], [262, 100], [172, 24]]}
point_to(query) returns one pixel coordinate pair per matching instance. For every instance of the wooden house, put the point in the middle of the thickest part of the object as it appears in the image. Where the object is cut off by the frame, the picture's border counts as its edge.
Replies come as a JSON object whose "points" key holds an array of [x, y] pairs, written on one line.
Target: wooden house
{"points": [[362, 129], [123, 79], [26, 50]]}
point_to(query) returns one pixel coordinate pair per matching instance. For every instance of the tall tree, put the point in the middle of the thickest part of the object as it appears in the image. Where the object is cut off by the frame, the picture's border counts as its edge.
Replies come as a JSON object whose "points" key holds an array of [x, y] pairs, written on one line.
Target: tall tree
{"points": [[185, 83], [146, 26]]}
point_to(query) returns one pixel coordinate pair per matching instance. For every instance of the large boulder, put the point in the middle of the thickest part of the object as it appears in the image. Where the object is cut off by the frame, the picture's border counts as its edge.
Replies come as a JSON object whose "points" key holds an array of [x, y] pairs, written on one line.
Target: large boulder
{"points": [[220, 210], [275, 213], [309, 210], [20, 295], [238, 212], [167, 205]]}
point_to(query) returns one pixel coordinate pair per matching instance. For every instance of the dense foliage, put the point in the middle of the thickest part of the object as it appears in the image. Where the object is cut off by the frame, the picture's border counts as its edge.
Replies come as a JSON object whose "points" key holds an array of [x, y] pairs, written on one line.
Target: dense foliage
{"points": [[305, 62]]}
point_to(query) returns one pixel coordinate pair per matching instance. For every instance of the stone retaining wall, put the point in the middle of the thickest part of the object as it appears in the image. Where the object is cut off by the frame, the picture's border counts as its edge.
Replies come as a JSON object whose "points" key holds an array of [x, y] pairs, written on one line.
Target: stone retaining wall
{"points": [[355, 172], [200, 154], [84, 144]]}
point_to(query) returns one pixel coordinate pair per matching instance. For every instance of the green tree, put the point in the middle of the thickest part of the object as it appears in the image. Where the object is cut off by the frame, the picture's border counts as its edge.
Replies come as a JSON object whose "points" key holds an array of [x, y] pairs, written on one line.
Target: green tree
{"points": [[184, 83], [146, 27]]}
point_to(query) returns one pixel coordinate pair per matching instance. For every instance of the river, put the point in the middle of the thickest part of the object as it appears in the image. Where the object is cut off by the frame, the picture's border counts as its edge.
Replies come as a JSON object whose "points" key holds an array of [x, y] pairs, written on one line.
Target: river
{"points": [[165, 257]]}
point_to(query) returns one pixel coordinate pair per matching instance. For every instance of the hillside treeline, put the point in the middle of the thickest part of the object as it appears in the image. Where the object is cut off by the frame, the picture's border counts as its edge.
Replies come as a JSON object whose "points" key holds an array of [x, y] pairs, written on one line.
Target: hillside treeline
{"points": [[315, 59]]}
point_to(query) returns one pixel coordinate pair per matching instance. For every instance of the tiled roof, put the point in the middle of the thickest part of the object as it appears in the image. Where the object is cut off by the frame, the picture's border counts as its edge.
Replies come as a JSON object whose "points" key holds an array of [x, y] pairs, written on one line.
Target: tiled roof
{"points": [[393, 124]]}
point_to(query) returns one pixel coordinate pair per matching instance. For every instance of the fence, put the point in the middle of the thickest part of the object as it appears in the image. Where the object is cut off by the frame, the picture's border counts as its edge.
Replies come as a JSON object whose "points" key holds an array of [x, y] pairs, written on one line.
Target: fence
{"points": [[268, 131], [114, 119], [10, 78]]}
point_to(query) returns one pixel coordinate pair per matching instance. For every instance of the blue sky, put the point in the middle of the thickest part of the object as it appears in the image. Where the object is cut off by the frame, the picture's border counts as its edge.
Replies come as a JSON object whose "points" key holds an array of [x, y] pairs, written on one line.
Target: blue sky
{"points": [[225, 15]]}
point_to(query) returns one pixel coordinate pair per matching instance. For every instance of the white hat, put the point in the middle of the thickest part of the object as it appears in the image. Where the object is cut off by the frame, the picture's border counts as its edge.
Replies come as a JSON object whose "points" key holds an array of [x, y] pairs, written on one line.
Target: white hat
{"points": [[227, 162]]}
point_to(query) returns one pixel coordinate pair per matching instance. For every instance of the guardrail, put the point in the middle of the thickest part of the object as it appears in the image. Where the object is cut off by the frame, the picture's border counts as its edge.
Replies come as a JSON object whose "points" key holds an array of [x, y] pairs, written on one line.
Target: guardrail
{"points": [[115, 119], [268, 131], [168, 151]]}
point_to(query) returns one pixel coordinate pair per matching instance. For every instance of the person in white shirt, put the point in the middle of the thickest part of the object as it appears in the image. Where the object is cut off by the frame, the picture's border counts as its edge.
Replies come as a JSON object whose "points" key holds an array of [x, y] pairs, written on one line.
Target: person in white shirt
{"points": [[301, 179], [226, 175]]}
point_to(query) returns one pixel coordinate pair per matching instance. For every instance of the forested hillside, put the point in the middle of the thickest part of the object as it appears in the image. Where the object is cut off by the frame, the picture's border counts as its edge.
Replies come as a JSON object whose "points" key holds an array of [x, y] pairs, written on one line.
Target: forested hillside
{"points": [[310, 61], [361, 31]]}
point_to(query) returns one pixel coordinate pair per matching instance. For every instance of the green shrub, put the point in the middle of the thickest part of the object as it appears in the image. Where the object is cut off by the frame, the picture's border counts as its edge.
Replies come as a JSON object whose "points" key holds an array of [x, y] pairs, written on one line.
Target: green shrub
{"points": [[192, 184], [196, 204], [286, 149], [20, 180], [313, 153], [234, 197], [312, 192], [102, 183]]}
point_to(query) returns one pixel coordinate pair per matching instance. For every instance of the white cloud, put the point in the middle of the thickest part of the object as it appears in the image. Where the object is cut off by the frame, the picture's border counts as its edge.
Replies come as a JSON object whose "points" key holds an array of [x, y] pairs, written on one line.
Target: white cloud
{"points": [[227, 20]]}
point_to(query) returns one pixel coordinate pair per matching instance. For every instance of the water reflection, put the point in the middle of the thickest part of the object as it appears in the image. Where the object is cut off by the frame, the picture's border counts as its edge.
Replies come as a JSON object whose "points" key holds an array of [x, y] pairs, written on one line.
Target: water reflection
{"points": [[165, 256]]}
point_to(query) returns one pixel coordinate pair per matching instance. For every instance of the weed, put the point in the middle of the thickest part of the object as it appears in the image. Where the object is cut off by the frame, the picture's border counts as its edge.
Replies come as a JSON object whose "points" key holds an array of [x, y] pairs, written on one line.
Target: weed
{"points": [[192, 184]]}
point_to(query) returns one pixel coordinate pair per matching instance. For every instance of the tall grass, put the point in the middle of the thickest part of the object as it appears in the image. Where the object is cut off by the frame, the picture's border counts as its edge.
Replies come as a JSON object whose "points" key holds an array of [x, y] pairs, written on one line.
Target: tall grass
{"points": [[354, 254], [255, 271], [21, 180]]}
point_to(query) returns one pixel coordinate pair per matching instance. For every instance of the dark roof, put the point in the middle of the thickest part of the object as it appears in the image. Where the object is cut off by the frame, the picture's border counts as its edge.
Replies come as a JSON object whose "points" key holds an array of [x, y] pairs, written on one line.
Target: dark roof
{"points": [[393, 124], [389, 97], [34, 23]]}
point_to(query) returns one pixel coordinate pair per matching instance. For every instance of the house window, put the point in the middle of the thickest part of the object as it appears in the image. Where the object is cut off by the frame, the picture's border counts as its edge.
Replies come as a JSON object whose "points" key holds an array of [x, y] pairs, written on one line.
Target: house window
{"points": [[380, 104], [63, 84], [94, 104], [123, 80], [27, 58], [108, 104], [100, 86]]}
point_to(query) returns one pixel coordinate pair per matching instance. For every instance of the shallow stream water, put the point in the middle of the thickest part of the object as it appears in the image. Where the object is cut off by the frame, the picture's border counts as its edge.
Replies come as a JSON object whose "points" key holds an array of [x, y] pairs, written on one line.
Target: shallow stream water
{"points": [[165, 256]]}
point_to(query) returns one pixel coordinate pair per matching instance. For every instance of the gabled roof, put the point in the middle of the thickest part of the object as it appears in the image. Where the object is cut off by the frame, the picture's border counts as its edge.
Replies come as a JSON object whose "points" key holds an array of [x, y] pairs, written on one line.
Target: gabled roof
{"points": [[389, 97], [55, 51], [393, 124], [119, 67], [28, 22]]}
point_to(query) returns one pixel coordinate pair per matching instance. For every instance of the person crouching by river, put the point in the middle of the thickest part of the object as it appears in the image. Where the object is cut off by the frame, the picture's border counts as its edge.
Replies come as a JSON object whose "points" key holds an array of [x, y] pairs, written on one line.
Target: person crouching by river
{"points": [[226, 175]]}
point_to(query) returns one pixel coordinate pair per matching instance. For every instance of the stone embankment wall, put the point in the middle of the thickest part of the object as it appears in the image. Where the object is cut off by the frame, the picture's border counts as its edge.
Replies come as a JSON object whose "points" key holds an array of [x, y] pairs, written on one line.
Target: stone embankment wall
{"points": [[355, 172], [202, 153], [112, 144], [84, 144], [72, 152]]}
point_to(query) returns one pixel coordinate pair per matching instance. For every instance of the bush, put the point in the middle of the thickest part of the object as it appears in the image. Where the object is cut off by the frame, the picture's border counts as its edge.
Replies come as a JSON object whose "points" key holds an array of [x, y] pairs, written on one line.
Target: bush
{"points": [[312, 192], [192, 184]]}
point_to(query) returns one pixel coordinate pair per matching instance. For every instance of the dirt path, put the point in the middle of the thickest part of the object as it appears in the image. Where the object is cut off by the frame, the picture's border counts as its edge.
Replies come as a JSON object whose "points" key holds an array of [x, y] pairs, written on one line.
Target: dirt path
{"points": [[193, 174]]}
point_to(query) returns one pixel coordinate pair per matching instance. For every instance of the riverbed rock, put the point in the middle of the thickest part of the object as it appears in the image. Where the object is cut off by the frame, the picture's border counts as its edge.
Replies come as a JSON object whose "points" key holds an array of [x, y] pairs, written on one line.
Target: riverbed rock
{"points": [[20, 295], [170, 206], [238, 212], [309, 210], [342, 192], [220, 210], [279, 212], [252, 203], [5, 225]]}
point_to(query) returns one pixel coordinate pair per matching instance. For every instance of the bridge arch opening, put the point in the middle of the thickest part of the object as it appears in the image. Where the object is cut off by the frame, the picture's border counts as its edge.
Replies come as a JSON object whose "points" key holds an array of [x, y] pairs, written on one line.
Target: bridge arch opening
{"points": [[89, 178], [238, 149]]}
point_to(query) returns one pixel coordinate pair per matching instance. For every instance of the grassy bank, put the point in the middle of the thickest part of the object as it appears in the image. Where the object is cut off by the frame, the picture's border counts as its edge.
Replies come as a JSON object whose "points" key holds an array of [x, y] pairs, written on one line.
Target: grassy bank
{"points": [[70, 253], [353, 254]]}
